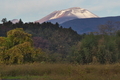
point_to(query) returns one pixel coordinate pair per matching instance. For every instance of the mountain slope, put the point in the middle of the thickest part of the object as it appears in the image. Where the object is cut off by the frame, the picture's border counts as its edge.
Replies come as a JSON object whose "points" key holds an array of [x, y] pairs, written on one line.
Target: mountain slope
{"points": [[89, 24], [67, 14]]}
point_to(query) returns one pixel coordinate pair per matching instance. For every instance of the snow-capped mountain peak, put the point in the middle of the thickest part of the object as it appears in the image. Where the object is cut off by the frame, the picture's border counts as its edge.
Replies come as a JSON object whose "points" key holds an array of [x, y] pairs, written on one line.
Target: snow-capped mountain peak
{"points": [[67, 14], [14, 21]]}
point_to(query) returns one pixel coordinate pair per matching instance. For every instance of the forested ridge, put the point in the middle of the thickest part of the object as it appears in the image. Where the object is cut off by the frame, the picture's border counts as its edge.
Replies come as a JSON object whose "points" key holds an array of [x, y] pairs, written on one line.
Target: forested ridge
{"points": [[47, 42]]}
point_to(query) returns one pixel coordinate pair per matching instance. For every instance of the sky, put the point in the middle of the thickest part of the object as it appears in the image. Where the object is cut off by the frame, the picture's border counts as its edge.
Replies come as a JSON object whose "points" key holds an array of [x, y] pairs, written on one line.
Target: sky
{"points": [[32, 10]]}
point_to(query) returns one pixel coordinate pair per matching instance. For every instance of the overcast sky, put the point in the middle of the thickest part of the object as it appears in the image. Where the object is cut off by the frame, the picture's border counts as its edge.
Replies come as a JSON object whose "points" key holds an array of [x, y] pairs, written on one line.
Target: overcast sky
{"points": [[32, 10]]}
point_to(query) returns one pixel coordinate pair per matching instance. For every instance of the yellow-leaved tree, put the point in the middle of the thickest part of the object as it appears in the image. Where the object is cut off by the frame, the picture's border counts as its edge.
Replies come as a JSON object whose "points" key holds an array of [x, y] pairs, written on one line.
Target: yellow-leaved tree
{"points": [[17, 47]]}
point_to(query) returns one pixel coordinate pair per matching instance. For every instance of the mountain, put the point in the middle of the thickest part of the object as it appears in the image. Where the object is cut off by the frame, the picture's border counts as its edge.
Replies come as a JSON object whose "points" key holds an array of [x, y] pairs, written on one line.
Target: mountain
{"points": [[79, 19], [14, 21], [89, 24], [66, 15]]}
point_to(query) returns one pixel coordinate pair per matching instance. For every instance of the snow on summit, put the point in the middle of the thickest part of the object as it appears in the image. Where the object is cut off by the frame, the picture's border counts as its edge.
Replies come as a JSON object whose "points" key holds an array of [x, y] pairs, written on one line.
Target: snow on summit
{"points": [[74, 12], [67, 14], [14, 21]]}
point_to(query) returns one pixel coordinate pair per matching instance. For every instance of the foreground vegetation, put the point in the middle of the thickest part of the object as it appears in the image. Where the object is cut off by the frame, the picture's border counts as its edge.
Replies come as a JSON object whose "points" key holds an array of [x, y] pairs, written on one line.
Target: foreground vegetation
{"points": [[49, 71], [46, 51]]}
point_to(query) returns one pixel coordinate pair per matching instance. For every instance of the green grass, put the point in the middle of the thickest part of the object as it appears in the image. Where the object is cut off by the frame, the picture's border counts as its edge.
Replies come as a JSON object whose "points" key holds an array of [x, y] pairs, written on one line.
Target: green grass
{"points": [[47, 71]]}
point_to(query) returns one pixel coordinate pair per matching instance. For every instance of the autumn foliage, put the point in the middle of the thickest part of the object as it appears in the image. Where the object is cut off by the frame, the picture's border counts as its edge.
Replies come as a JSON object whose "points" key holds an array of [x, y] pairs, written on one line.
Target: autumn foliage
{"points": [[17, 47]]}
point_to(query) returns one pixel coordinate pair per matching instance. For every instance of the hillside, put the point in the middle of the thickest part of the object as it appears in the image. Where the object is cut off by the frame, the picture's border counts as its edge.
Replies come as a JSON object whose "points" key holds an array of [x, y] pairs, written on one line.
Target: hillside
{"points": [[89, 24]]}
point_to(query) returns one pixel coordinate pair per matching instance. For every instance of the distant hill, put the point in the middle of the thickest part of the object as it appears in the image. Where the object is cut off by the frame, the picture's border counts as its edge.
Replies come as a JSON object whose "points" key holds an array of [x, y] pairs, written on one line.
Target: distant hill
{"points": [[88, 24]]}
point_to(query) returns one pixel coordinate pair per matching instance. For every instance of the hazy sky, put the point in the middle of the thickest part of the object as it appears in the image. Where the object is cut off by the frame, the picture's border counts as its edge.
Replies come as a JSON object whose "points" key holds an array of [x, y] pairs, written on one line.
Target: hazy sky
{"points": [[31, 10]]}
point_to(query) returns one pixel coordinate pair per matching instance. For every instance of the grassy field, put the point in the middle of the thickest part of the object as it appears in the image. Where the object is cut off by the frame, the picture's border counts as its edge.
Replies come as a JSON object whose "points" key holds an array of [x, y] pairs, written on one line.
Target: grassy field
{"points": [[47, 71]]}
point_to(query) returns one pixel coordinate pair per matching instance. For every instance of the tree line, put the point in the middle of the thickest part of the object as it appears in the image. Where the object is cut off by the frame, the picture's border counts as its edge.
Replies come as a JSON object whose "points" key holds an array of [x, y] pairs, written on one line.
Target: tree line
{"points": [[47, 42]]}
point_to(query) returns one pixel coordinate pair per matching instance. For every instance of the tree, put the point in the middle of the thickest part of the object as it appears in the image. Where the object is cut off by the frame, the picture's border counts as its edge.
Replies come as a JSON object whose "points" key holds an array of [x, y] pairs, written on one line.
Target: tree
{"points": [[4, 20], [75, 56], [84, 51], [110, 28], [5, 44], [18, 36], [20, 22], [87, 44], [17, 47], [107, 50]]}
